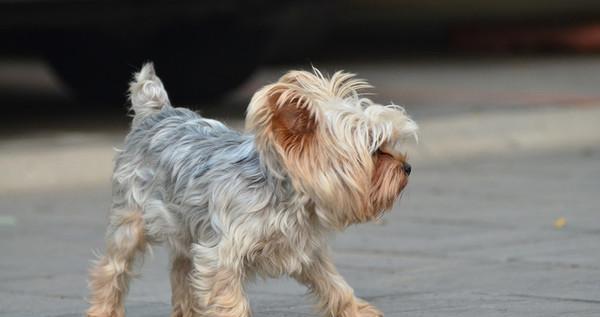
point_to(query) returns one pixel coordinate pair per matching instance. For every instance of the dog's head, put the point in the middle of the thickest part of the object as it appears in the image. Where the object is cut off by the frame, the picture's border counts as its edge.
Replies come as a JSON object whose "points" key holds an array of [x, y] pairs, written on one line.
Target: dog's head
{"points": [[336, 147]]}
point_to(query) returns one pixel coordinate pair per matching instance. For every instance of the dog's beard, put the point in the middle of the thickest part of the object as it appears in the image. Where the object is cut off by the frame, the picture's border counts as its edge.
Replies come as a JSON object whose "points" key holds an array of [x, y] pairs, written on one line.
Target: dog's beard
{"points": [[387, 182]]}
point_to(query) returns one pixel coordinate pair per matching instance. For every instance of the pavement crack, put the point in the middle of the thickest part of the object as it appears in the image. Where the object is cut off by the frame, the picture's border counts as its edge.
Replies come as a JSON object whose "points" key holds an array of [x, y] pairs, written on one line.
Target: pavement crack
{"points": [[395, 253], [282, 313], [460, 223], [39, 294], [394, 295], [554, 298]]}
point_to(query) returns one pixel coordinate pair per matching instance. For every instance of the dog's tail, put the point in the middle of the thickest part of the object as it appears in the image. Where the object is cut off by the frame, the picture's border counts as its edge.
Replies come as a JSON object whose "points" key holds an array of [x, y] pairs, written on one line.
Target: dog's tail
{"points": [[147, 93]]}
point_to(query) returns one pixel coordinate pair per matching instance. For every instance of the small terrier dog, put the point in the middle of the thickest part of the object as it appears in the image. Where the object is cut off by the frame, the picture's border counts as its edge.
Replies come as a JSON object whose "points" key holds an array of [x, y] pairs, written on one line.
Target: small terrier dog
{"points": [[231, 206]]}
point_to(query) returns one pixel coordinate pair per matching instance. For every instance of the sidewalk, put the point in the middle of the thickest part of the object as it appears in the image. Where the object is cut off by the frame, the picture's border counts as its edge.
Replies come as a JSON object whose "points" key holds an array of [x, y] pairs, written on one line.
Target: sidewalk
{"points": [[473, 235]]}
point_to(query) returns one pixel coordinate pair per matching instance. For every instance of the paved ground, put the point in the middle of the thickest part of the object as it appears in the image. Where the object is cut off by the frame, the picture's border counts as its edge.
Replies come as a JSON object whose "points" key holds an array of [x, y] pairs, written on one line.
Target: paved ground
{"points": [[507, 148]]}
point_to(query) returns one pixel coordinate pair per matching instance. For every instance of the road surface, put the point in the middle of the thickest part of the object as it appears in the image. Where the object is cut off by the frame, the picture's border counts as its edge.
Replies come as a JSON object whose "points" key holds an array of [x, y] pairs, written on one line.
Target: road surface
{"points": [[507, 148]]}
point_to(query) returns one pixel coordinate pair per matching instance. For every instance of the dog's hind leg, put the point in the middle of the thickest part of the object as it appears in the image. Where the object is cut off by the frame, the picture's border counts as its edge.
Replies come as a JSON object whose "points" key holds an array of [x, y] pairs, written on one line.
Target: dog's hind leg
{"points": [[110, 275], [182, 299]]}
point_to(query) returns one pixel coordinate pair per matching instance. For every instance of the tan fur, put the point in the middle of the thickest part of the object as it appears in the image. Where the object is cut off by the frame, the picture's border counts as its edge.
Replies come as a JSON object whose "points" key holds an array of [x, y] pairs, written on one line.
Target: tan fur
{"points": [[182, 299], [334, 296], [301, 121], [386, 184], [109, 277], [217, 287]]}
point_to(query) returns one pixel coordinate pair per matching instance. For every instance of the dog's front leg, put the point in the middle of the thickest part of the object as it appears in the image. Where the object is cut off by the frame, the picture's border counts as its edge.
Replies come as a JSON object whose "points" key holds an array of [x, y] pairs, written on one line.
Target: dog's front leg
{"points": [[335, 297], [218, 288]]}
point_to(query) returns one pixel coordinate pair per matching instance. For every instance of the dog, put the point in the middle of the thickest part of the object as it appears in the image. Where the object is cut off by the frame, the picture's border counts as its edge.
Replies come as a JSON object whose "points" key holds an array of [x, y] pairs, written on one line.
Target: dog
{"points": [[317, 158]]}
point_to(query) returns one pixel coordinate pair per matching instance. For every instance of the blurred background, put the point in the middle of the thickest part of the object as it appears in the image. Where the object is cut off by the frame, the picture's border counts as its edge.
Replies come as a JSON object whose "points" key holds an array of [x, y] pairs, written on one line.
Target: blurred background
{"points": [[501, 215]]}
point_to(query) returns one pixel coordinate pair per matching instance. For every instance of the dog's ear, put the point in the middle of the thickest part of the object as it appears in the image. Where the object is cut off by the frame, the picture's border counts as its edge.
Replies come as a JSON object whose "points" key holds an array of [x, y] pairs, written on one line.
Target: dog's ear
{"points": [[285, 112], [293, 121]]}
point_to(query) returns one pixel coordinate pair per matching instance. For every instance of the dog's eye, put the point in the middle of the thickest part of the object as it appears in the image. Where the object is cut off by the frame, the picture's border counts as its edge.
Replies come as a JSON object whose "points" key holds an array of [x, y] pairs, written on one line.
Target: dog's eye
{"points": [[380, 153]]}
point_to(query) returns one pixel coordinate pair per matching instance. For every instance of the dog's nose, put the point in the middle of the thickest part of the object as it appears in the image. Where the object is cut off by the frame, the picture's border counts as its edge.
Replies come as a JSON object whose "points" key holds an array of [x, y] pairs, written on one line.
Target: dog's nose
{"points": [[407, 168]]}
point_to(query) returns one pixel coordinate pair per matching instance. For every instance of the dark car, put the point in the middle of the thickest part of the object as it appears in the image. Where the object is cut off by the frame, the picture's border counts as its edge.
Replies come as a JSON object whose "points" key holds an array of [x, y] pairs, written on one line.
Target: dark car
{"points": [[201, 48]]}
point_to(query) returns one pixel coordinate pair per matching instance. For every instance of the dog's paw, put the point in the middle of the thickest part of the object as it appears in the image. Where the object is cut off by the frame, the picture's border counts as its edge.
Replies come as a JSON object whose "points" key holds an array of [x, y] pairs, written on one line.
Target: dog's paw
{"points": [[101, 312], [367, 310]]}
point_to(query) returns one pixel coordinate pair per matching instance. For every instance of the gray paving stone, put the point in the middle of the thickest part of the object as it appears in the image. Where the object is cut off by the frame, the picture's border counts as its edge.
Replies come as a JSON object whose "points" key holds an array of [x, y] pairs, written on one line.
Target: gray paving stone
{"points": [[472, 236]]}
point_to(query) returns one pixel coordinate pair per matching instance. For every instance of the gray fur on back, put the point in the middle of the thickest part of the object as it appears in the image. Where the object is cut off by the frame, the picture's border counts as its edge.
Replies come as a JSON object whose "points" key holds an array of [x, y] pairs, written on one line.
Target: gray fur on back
{"points": [[186, 171]]}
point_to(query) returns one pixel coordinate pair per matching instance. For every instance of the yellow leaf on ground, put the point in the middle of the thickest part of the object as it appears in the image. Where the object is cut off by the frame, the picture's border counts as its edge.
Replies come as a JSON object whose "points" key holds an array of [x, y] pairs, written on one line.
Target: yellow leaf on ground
{"points": [[560, 223]]}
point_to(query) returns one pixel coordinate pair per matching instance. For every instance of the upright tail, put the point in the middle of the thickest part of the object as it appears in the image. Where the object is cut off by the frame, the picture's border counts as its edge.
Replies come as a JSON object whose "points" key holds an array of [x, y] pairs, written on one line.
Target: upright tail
{"points": [[147, 93]]}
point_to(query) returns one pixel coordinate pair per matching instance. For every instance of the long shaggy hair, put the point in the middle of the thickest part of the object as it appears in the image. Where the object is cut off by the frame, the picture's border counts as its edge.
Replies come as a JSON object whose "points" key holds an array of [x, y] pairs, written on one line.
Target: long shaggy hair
{"points": [[318, 157]]}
